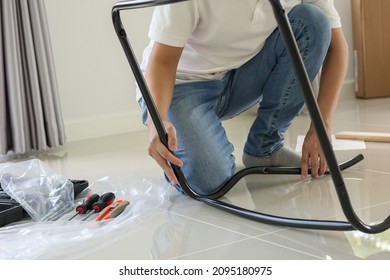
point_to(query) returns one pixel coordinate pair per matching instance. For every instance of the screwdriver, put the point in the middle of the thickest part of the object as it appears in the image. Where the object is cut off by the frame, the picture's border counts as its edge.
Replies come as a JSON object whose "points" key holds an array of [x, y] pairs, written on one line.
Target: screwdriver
{"points": [[86, 205], [104, 200]]}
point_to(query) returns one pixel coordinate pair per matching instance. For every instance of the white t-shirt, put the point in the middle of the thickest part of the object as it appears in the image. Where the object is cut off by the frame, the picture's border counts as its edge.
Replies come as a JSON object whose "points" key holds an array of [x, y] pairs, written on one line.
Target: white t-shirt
{"points": [[218, 35]]}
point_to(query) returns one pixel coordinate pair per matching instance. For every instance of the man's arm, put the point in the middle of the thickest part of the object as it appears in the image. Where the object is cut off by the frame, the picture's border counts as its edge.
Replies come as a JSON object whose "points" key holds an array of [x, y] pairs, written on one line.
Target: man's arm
{"points": [[160, 77], [332, 78]]}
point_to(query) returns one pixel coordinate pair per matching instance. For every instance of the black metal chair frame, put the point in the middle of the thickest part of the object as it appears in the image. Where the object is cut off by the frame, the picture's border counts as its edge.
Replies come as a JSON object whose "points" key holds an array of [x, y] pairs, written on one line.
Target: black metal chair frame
{"points": [[354, 223]]}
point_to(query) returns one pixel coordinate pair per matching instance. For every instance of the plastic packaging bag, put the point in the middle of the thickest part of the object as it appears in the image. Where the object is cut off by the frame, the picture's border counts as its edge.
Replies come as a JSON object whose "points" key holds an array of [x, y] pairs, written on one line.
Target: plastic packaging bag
{"points": [[43, 193], [64, 239]]}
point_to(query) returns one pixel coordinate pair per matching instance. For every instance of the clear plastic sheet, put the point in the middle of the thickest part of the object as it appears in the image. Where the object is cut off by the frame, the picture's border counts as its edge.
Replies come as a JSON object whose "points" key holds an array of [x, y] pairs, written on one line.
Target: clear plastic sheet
{"points": [[41, 191], [64, 239]]}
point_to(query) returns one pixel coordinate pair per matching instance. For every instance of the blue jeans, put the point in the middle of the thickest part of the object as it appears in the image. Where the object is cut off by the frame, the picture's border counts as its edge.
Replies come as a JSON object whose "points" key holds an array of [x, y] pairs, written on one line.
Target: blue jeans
{"points": [[198, 108]]}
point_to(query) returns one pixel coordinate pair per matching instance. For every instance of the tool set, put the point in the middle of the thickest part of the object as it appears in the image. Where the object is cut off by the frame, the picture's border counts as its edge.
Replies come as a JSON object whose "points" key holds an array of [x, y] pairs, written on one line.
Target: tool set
{"points": [[11, 211], [106, 205]]}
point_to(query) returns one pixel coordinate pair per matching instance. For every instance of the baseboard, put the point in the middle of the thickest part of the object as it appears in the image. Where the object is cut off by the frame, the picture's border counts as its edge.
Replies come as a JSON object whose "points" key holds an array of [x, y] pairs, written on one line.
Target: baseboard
{"points": [[348, 91], [102, 126]]}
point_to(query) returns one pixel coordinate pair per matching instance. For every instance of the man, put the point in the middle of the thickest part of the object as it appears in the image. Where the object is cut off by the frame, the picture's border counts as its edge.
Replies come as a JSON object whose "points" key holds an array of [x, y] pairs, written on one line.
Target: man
{"points": [[210, 60]]}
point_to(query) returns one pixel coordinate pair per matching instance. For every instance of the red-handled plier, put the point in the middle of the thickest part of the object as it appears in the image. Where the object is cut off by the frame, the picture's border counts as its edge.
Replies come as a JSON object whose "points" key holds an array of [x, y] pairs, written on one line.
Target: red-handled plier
{"points": [[113, 210]]}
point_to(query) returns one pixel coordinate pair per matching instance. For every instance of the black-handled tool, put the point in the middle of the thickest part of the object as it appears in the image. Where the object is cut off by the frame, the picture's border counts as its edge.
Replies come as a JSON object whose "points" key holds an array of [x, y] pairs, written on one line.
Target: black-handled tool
{"points": [[86, 205], [104, 200]]}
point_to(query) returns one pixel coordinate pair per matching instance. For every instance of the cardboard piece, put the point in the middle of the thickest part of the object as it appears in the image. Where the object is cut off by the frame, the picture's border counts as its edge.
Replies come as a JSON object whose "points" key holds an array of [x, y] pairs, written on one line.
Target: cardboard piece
{"points": [[371, 39], [364, 136]]}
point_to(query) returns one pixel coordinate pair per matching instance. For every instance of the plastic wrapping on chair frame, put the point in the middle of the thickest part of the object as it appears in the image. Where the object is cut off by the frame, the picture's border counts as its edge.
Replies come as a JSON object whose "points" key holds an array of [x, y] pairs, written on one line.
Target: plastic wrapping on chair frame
{"points": [[353, 223]]}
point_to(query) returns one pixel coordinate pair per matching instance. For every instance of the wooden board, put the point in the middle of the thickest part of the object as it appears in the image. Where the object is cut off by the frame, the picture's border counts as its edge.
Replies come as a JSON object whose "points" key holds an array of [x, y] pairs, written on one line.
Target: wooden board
{"points": [[365, 136]]}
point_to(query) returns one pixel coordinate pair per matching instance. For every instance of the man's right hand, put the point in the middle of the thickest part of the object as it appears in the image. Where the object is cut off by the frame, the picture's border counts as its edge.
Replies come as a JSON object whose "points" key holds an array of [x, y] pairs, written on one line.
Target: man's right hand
{"points": [[161, 154]]}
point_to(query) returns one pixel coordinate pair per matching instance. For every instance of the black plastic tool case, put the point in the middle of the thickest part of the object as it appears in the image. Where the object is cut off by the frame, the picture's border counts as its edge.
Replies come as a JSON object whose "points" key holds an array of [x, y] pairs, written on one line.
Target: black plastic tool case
{"points": [[11, 211]]}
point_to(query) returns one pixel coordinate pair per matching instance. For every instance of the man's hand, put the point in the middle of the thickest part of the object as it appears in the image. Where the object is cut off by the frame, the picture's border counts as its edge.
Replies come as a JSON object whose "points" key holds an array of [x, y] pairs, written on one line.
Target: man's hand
{"points": [[161, 154], [312, 156]]}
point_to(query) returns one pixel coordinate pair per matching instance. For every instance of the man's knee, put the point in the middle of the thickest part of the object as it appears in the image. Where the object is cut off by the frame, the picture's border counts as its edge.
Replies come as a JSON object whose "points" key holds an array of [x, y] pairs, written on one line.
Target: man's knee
{"points": [[314, 21]]}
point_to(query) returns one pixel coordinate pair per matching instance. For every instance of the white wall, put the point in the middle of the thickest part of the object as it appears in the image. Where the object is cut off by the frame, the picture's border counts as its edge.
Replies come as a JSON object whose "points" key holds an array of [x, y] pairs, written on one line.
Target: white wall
{"points": [[96, 86], [344, 8], [95, 81]]}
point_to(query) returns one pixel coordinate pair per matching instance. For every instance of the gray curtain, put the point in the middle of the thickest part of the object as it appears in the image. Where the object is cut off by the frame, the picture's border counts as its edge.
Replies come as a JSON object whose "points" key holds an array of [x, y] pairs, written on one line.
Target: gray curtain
{"points": [[30, 115]]}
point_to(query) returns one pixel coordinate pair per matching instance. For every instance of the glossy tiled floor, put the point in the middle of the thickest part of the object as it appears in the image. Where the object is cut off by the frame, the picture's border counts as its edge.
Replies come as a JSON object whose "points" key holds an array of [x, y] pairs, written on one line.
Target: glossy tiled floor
{"points": [[162, 224]]}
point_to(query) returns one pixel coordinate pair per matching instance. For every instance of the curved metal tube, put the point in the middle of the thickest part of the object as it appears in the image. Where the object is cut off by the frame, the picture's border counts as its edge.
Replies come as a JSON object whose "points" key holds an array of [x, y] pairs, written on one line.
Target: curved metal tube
{"points": [[354, 223]]}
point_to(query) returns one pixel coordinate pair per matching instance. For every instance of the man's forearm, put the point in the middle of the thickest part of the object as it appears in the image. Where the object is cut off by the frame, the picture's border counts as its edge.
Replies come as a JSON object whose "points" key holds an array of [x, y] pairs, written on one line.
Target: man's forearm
{"points": [[333, 74]]}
